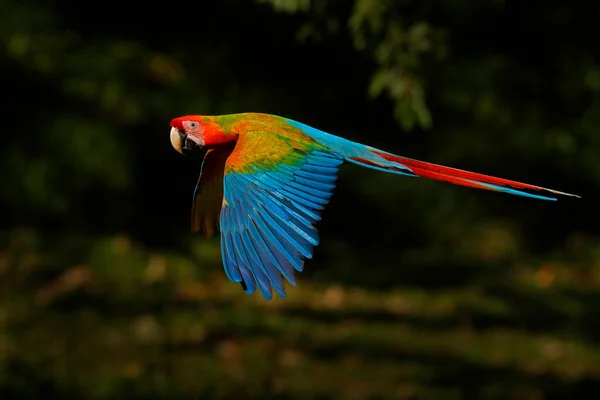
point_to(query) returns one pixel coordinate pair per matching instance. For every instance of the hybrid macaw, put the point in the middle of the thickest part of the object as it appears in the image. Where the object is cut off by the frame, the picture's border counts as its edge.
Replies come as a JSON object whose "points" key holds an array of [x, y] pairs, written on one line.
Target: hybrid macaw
{"points": [[265, 179]]}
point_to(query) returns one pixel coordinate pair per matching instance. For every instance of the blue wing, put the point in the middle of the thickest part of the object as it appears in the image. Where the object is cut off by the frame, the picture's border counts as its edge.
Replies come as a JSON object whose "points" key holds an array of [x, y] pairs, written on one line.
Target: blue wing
{"points": [[267, 220]]}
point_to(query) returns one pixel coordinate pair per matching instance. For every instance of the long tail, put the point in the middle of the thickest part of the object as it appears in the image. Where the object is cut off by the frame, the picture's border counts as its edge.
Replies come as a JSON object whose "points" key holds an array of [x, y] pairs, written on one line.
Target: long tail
{"points": [[407, 166], [371, 157]]}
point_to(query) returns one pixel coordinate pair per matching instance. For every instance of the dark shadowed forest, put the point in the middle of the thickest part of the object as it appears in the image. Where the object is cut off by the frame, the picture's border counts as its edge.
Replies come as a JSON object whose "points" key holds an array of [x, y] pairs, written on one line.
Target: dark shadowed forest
{"points": [[418, 290]]}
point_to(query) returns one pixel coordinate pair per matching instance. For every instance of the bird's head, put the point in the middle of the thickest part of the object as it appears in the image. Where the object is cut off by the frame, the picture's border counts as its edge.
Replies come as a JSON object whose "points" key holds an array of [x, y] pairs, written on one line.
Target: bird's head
{"points": [[187, 134]]}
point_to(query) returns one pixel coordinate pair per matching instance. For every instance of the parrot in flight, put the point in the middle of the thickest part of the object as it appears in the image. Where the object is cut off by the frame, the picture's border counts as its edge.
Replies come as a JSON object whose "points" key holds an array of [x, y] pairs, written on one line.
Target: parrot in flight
{"points": [[265, 179]]}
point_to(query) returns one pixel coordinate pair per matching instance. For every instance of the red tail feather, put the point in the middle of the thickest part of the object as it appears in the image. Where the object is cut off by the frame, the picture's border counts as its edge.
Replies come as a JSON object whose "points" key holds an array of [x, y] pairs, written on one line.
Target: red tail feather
{"points": [[458, 176]]}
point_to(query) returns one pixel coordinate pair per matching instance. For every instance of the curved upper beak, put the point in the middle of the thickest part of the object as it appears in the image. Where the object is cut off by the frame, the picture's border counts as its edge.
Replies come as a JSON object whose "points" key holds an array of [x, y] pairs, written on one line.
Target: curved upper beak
{"points": [[182, 143]]}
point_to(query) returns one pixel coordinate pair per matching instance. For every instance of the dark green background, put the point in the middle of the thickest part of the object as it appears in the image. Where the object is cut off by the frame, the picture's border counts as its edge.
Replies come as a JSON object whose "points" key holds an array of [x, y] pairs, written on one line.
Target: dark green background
{"points": [[419, 290]]}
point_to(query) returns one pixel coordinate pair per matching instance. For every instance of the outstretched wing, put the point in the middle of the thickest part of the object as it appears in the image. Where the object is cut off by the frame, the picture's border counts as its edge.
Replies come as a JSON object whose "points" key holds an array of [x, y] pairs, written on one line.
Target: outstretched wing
{"points": [[208, 194], [275, 186]]}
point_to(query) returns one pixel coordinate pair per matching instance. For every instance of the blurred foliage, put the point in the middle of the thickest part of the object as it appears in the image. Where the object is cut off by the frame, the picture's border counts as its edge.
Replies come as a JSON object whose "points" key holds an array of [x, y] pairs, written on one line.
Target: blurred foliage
{"points": [[418, 290], [144, 323], [399, 46]]}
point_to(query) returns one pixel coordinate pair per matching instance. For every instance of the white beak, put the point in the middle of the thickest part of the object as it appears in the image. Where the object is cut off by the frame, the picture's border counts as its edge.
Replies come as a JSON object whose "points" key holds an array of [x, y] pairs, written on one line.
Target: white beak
{"points": [[176, 140]]}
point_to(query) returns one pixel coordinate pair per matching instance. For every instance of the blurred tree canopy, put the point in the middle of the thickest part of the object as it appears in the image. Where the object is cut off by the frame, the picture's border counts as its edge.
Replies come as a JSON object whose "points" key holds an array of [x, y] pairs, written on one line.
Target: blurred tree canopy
{"points": [[419, 289]]}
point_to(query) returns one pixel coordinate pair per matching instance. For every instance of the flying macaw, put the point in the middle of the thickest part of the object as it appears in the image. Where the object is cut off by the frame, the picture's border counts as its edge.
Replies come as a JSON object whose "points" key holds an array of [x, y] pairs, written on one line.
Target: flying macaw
{"points": [[265, 179]]}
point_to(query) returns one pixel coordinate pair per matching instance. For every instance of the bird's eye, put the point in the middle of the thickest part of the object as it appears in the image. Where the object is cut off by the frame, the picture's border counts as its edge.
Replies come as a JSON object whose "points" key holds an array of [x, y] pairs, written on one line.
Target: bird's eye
{"points": [[193, 125]]}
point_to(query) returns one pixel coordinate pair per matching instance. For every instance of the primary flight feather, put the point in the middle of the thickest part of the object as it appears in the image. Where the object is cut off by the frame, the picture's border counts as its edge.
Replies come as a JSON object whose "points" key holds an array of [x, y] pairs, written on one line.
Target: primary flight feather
{"points": [[265, 179]]}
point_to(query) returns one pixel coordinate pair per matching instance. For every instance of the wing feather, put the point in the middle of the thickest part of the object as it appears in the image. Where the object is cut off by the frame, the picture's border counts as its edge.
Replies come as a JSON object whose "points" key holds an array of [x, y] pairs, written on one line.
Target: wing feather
{"points": [[274, 187], [208, 194]]}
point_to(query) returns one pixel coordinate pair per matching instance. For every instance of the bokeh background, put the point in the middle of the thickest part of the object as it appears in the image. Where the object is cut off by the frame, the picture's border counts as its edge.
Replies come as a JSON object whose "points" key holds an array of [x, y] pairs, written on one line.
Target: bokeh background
{"points": [[419, 290]]}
